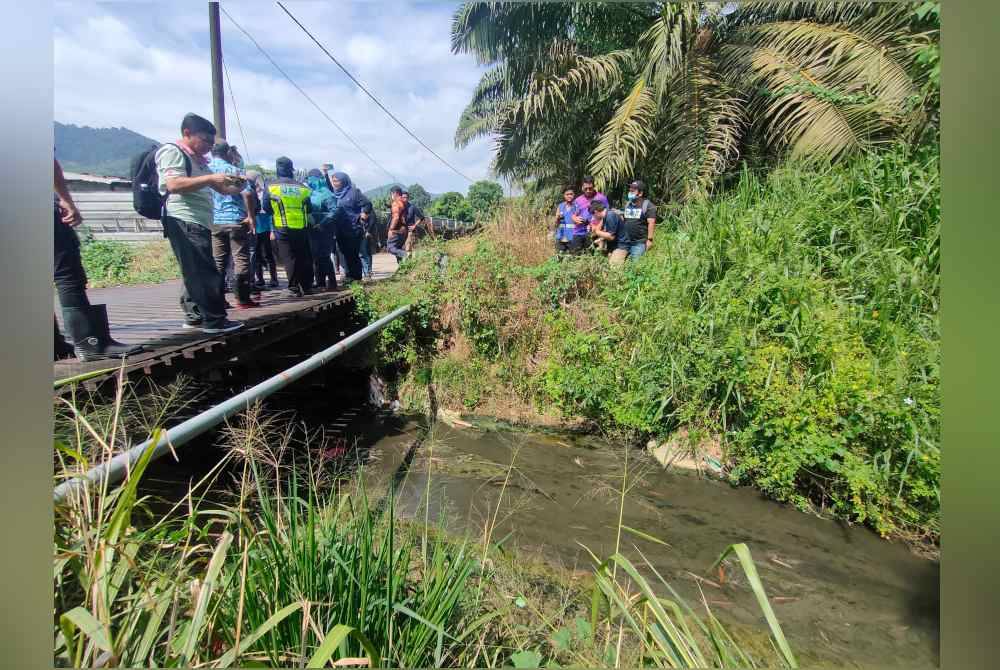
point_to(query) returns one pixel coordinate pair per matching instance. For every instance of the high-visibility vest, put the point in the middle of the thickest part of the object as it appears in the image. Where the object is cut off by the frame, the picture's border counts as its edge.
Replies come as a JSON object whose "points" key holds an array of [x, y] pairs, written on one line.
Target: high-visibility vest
{"points": [[289, 204]]}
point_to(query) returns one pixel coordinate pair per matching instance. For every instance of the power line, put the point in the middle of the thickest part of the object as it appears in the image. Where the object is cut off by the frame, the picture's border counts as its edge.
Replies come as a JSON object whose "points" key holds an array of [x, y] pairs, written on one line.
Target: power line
{"points": [[306, 95], [229, 82], [369, 94]]}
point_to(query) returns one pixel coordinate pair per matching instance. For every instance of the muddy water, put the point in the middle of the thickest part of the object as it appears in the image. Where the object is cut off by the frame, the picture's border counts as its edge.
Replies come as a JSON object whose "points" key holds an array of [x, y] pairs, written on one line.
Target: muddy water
{"points": [[843, 595]]}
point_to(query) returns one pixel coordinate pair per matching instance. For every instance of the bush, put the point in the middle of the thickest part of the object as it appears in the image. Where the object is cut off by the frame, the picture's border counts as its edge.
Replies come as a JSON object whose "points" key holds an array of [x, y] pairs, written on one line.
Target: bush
{"points": [[110, 263], [106, 262], [794, 316]]}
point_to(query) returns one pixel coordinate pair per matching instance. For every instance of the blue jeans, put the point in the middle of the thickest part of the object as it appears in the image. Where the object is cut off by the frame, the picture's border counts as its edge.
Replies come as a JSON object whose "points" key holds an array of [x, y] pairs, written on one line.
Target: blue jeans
{"points": [[636, 249], [366, 258]]}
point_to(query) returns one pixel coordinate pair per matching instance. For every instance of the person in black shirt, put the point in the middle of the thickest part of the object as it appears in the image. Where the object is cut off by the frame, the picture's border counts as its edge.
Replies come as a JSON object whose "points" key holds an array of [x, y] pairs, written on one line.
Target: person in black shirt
{"points": [[608, 226], [639, 216]]}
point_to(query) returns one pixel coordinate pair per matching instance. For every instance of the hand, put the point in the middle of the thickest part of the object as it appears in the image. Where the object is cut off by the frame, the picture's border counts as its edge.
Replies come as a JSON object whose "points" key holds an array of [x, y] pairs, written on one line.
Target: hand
{"points": [[273, 236], [248, 222], [649, 243], [364, 216], [71, 214], [577, 219]]}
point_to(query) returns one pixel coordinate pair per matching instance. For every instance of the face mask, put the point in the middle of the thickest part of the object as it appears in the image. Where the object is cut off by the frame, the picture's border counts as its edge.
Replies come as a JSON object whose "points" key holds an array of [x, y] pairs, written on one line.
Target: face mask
{"points": [[632, 196]]}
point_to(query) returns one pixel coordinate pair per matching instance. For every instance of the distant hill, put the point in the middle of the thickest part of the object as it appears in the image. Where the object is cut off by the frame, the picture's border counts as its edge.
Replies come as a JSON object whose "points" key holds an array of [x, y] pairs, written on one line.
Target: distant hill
{"points": [[383, 190], [101, 151], [380, 191]]}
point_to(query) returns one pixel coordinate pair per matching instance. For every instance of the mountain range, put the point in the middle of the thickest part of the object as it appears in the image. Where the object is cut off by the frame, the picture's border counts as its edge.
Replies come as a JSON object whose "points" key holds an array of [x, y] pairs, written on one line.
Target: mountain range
{"points": [[108, 152], [100, 151]]}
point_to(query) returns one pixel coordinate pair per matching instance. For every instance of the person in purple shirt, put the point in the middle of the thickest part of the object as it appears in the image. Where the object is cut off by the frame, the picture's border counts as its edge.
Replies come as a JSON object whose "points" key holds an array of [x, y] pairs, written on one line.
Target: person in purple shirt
{"points": [[583, 215]]}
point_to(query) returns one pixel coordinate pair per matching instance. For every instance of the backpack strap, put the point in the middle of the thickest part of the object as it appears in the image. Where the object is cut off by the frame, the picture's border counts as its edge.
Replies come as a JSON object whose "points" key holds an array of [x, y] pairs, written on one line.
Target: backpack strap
{"points": [[187, 159]]}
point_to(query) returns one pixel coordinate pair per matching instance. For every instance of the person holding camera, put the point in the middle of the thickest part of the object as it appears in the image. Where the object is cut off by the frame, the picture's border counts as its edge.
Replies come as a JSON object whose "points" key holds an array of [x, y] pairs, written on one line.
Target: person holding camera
{"points": [[187, 184]]}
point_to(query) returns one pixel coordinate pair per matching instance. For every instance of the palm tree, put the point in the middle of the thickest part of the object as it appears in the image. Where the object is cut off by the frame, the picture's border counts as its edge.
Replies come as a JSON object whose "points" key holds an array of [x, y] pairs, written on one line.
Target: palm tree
{"points": [[678, 92]]}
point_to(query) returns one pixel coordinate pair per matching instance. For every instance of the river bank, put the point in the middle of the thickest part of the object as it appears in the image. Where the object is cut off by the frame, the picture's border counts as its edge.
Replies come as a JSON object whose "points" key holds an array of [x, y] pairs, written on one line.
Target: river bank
{"points": [[792, 319]]}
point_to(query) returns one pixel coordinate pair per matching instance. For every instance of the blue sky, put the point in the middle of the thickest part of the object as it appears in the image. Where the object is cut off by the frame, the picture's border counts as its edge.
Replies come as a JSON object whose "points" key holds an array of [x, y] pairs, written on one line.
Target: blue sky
{"points": [[143, 65]]}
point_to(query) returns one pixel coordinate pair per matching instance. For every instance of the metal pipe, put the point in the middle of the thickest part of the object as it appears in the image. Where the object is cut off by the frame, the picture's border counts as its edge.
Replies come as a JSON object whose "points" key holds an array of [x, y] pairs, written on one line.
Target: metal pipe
{"points": [[118, 467]]}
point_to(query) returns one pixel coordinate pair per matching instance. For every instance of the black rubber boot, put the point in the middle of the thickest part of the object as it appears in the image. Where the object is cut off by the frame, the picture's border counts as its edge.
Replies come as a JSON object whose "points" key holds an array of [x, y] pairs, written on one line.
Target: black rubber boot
{"points": [[92, 335], [63, 349], [110, 347], [86, 343]]}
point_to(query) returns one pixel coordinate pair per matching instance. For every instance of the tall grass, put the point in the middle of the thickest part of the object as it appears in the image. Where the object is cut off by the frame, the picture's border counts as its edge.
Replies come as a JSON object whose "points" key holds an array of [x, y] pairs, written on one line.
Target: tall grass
{"points": [[298, 572]]}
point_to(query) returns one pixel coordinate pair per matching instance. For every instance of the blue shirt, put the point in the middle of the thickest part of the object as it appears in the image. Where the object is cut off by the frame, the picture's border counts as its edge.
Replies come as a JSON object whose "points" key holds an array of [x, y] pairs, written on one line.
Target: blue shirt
{"points": [[264, 223], [567, 225], [227, 209]]}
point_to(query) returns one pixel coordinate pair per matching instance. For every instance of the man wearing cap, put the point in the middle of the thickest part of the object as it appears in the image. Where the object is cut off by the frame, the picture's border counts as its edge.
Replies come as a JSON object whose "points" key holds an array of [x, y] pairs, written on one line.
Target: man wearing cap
{"points": [[639, 215], [233, 224], [288, 202]]}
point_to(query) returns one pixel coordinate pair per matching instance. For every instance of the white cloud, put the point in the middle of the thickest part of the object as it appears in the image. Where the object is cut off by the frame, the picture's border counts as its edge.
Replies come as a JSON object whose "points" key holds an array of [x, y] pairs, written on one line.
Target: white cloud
{"points": [[122, 65]]}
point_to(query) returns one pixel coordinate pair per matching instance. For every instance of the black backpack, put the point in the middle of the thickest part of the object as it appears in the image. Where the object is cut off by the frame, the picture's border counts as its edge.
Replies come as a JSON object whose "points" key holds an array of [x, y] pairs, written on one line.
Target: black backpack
{"points": [[146, 198]]}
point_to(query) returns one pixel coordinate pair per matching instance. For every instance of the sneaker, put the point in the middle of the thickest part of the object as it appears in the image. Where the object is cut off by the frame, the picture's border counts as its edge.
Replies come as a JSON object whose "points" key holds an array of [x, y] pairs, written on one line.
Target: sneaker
{"points": [[247, 305], [259, 284], [274, 284], [293, 293], [226, 326], [191, 325]]}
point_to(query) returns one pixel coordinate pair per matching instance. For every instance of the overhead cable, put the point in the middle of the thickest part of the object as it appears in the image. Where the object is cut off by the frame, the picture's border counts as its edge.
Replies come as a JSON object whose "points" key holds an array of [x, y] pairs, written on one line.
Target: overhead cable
{"points": [[306, 95], [232, 98], [370, 95]]}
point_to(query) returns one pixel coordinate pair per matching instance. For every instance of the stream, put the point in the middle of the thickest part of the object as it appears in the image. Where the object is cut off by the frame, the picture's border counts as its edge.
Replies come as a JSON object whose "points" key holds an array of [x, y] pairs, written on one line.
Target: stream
{"points": [[843, 595]]}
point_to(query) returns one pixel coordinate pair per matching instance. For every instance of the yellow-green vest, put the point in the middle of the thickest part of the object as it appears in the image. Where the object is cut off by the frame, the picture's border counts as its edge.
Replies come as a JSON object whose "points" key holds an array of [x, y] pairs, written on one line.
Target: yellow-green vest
{"points": [[289, 204]]}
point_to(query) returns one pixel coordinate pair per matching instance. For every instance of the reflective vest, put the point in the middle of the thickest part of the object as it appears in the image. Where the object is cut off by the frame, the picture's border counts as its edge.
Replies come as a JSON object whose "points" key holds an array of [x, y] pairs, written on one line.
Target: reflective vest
{"points": [[288, 201]]}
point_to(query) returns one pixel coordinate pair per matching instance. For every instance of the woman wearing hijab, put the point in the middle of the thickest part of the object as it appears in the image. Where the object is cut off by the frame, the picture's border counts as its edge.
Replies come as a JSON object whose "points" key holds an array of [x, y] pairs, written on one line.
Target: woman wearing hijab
{"points": [[354, 211], [322, 235]]}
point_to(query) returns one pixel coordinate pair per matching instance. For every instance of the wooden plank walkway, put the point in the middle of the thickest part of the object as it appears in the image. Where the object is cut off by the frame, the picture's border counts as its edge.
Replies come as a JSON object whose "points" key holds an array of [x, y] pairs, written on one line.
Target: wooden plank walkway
{"points": [[152, 316]]}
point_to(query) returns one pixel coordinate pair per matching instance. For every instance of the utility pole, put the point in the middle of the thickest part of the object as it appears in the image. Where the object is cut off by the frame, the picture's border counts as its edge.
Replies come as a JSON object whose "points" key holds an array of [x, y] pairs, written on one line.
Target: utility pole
{"points": [[218, 101]]}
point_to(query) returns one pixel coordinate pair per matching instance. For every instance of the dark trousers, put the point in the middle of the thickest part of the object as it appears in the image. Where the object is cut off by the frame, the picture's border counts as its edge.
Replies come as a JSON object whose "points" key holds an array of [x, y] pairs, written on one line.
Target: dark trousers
{"points": [[293, 245], [395, 246], [67, 268], [321, 246], [574, 246], [261, 254], [202, 298], [349, 241]]}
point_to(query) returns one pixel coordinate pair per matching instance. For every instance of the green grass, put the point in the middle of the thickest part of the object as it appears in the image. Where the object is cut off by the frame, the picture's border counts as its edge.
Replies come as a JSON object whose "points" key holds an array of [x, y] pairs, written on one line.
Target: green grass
{"points": [[299, 571], [110, 263], [793, 317]]}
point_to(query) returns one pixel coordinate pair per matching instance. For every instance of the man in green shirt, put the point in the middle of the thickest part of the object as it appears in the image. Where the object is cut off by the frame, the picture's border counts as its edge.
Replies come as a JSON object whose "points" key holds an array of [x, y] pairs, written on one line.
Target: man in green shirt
{"points": [[186, 181]]}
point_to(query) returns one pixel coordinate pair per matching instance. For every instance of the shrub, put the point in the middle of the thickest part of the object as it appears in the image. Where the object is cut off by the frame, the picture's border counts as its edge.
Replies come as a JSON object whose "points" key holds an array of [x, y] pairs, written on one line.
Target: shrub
{"points": [[795, 316]]}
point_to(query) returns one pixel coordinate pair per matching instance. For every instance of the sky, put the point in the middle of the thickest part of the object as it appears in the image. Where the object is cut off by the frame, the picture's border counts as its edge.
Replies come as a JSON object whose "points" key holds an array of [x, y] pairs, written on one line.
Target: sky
{"points": [[143, 65]]}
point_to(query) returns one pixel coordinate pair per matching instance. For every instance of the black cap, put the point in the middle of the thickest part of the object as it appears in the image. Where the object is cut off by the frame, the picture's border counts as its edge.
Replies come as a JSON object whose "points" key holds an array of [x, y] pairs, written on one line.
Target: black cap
{"points": [[638, 185], [283, 161]]}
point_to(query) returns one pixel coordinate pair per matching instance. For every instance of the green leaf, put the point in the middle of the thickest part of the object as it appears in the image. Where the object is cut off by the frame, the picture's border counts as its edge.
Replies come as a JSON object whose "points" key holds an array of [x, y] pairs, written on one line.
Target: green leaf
{"points": [[201, 606], [526, 659], [332, 641], [561, 639], [746, 561], [230, 656], [88, 625]]}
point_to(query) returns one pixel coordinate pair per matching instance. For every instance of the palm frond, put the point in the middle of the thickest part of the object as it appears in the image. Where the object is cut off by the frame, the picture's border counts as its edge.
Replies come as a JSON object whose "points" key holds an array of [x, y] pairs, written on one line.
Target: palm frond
{"points": [[848, 59], [798, 116], [626, 137]]}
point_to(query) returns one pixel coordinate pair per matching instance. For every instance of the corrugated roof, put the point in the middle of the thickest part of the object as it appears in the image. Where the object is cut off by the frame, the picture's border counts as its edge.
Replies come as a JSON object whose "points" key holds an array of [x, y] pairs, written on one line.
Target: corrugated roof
{"points": [[81, 176]]}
